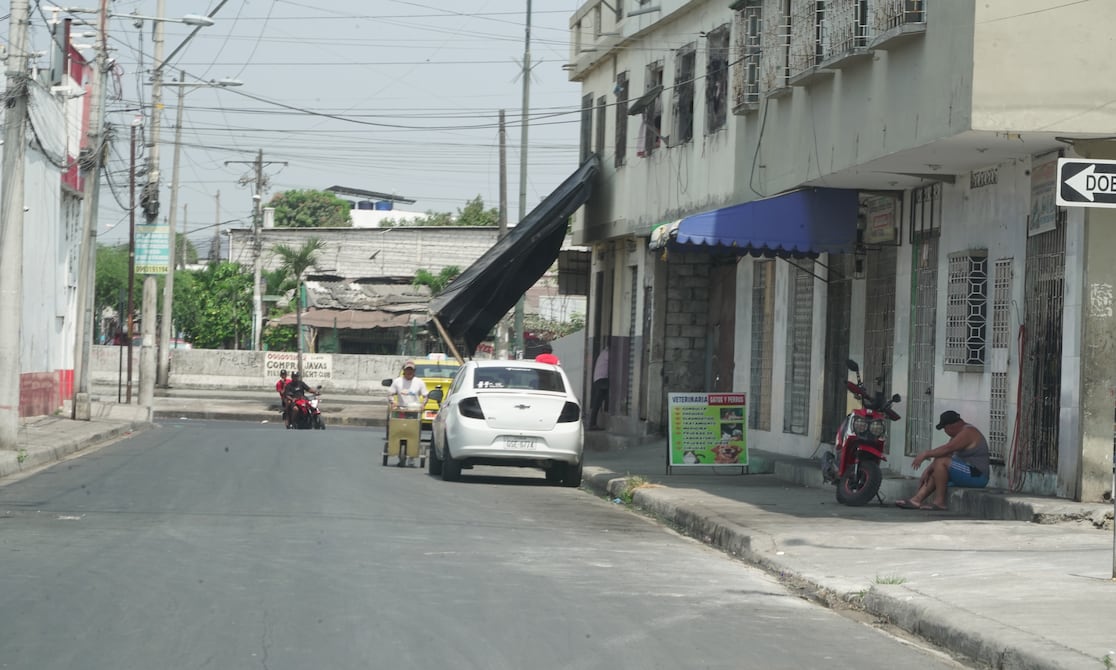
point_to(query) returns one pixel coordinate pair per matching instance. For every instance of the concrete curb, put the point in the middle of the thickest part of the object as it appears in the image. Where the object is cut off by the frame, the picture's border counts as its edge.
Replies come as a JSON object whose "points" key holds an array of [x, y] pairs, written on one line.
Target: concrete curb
{"points": [[981, 640], [260, 417], [26, 459]]}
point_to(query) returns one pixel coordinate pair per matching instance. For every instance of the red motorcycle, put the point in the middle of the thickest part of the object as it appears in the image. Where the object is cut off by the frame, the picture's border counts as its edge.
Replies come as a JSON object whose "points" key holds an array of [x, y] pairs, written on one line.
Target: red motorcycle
{"points": [[305, 413], [855, 468]]}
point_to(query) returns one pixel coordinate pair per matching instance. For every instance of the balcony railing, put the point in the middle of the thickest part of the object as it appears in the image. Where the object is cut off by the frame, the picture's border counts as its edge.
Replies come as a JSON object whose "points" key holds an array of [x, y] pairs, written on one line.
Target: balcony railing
{"points": [[891, 14]]}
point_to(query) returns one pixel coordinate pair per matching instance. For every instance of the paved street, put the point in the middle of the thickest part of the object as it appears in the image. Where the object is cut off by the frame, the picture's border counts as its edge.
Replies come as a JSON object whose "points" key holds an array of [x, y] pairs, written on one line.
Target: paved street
{"points": [[223, 544]]}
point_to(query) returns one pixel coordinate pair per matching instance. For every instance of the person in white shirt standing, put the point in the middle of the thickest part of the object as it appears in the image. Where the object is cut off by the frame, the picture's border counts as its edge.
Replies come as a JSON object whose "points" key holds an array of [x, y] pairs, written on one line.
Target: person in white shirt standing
{"points": [[407, 390], [599, 391]]}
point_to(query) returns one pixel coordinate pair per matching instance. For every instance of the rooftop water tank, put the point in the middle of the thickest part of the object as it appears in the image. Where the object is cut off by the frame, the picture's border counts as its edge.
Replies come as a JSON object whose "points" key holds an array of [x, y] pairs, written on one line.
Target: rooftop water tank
{"points": [[365, 204], [383, 204]]}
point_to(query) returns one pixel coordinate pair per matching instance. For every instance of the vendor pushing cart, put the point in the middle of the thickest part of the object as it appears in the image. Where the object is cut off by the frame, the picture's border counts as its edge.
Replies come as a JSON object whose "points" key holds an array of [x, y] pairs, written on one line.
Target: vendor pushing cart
{"points": [[406, 398]]}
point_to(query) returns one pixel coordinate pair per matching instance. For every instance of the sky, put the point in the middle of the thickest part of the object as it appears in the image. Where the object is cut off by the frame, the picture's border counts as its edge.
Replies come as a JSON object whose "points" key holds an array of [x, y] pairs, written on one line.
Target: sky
{"points": [[394, 96]]}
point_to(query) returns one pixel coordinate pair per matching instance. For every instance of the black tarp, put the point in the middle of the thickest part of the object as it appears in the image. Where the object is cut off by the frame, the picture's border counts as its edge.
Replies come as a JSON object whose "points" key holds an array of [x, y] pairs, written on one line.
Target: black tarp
{"points": [[473, 303]]}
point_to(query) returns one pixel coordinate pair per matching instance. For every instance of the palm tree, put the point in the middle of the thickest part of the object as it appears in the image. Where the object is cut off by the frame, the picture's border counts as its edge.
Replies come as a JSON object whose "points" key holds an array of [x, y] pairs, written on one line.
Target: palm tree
{"points": [[294, 263]]}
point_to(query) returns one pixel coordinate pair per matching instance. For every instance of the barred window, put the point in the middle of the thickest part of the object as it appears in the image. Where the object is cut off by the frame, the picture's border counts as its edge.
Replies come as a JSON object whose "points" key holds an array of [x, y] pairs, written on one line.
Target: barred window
{"points": [[967, 311], [684, 67], [716, 79], [763, 344], [800, 339]]}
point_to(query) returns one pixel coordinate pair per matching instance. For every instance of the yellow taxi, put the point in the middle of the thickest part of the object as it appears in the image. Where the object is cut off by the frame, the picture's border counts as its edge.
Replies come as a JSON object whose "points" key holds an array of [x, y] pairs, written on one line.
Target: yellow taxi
{"points": [[436, 371]]}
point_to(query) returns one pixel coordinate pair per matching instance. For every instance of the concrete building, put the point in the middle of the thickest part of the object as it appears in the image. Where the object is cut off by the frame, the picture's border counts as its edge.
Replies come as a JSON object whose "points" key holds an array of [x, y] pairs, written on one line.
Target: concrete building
{"points": [[360, 287], [57, 121], [787, 184]]}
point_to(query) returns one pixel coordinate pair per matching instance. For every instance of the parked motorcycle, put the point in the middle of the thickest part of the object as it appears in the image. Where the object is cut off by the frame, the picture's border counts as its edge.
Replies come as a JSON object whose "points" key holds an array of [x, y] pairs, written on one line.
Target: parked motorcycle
{"points": [[305, 412], [855, 468]]}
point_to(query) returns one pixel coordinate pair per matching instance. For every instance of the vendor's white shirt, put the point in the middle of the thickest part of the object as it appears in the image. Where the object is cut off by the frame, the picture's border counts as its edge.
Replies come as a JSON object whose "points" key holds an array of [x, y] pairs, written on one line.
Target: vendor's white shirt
{"points": [[410, 392]]}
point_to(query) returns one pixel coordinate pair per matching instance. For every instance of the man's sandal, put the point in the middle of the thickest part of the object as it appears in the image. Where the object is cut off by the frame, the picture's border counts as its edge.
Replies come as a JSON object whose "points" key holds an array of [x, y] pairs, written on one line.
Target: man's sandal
{"points": [[907, 504]]}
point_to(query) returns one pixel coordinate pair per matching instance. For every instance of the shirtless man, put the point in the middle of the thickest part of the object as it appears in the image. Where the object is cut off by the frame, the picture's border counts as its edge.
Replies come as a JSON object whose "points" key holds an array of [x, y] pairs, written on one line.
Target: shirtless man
{"points": [[963, 461]]}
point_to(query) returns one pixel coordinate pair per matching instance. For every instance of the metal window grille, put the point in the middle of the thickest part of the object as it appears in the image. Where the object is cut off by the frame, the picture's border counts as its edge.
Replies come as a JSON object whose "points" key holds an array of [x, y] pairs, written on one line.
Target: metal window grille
{"points": [[749, 49], [889, 14], [998, 417], [586, 126], [775, 66], [806, 34], [879, 321], [653, 114], [846, 26], [1042, 355], [838, 298], [1001, 304], [999, 346], [966, 311], [633, 274], [716, 79], [926, 211], [800, 326], [685, 64], [621, 119], [602, 111], [763, 336], [923, 339]]}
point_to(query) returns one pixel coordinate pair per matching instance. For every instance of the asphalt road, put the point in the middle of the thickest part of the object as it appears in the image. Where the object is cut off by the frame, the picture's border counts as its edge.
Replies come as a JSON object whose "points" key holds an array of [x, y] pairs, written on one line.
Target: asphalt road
{"points": [[234, 545]]}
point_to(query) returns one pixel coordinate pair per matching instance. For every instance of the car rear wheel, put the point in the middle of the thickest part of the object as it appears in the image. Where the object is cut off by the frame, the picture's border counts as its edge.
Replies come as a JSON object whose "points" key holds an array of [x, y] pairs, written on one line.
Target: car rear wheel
{"points": [[555, 472], [451, 469], [572, 475]]}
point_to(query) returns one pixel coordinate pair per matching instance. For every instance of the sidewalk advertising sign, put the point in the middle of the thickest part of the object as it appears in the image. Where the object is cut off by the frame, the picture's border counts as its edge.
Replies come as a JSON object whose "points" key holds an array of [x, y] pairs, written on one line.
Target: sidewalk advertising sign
{"points": [[152, 249], [316, 368], [707, 429]]}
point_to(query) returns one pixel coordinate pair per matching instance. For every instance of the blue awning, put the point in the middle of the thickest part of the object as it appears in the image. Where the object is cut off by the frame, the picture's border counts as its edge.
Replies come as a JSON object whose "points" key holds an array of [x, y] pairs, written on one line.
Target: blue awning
{"points": [[798, 224]]}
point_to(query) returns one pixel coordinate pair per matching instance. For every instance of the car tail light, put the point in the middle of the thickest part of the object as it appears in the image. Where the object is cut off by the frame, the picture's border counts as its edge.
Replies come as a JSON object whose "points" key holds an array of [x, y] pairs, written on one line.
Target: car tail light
{"points": [[571, 413], [470, 408]]}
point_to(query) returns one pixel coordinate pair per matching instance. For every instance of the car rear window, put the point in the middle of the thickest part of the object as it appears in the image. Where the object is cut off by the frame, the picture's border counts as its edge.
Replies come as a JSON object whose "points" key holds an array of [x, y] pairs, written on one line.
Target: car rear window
{"points": [[436, 370], [518, 378]]}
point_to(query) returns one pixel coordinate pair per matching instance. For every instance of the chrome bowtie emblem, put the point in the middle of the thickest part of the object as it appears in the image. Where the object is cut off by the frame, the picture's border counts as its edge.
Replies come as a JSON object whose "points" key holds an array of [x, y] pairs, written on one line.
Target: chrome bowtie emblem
{"points": [[523, 407]]}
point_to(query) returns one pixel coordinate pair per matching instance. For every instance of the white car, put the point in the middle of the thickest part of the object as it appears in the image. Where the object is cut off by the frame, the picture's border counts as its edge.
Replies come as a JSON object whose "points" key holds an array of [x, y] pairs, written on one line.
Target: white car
{"points": [[514, 413]]}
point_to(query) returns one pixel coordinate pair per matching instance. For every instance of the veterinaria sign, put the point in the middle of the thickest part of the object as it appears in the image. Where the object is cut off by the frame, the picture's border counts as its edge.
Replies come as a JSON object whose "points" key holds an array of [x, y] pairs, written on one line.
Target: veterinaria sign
{"points": [[707, 429]]}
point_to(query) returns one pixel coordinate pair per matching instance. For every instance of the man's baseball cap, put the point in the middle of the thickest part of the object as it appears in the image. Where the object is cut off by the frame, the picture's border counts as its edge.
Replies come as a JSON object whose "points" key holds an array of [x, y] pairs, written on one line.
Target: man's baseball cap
{"points": [[409, 364], [948, 417]]}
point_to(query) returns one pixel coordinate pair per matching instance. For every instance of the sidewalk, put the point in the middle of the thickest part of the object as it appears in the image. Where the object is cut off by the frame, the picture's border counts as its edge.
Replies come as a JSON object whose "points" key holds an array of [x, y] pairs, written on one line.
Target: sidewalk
{"points": [[979, 580]]}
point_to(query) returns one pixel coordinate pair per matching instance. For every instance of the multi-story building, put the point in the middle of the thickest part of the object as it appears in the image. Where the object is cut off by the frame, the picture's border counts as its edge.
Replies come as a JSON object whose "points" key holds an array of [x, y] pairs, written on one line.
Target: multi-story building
{"points": [[786, 184]]}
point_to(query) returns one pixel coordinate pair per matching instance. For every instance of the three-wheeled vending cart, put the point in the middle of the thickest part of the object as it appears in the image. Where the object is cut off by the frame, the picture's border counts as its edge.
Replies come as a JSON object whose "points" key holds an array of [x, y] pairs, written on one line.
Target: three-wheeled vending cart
{"points": [[404, 436]]}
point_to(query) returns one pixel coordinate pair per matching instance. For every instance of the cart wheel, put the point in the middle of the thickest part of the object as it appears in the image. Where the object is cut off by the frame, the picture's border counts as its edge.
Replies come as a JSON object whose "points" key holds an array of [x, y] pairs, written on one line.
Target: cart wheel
{"points": [[385, 454]]}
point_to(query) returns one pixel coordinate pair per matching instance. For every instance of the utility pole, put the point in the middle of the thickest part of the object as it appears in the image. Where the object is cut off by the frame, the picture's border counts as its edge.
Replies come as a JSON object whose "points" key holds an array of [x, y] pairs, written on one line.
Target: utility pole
{"points": [[131, 257], [257, 245], [216, 255], [150, 197], [523, 164], [11, 226], [502, 331], [166, 331], [81, 409]]}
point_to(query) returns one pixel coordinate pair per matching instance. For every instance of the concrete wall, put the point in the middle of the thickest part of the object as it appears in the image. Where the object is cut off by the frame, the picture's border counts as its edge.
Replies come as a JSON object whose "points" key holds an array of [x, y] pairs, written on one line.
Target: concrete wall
{"points": [[244, 370], [374, 252], [1039, 65]]}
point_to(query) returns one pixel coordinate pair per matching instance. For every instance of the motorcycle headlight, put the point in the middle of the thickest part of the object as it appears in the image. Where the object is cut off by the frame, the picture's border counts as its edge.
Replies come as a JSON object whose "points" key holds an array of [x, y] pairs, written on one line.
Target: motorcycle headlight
{"points": [[877, 428], [859, 424]]}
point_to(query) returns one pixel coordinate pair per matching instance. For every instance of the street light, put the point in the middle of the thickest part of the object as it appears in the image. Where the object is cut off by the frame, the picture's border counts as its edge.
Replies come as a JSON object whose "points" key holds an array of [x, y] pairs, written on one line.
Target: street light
{"points": [[162, 374]]}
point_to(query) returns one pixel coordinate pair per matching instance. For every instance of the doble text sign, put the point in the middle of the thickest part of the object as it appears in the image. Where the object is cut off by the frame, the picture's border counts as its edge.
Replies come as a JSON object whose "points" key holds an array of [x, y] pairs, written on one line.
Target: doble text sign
{"points": [[1086, 182]]}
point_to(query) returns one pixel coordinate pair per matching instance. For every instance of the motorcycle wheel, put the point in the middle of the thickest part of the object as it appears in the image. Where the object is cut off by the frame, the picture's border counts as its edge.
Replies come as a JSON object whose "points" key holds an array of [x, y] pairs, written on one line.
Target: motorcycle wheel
{"points": [[859, 486]]}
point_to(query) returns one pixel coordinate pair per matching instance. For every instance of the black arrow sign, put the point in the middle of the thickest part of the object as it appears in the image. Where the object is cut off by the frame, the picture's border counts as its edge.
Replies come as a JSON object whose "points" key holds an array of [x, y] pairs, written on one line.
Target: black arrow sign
{"points": [[1086, 183]]}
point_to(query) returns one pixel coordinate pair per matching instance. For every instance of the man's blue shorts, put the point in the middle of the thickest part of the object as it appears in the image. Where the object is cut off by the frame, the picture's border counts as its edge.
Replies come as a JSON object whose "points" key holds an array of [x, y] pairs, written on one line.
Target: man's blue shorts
{"points": [[961, 474]]}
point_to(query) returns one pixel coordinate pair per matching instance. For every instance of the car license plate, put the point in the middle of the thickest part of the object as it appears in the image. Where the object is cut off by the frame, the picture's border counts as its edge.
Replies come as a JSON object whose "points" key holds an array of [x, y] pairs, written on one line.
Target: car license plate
{"points": [[519, 443]]}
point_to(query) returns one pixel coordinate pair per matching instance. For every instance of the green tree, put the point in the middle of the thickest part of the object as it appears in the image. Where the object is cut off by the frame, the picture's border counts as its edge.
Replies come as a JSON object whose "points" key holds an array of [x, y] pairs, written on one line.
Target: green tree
{"points": [[213, 306], [310, 209], [473, 214], [436, 282], [185, 252], [111, 282], [294, 262]]}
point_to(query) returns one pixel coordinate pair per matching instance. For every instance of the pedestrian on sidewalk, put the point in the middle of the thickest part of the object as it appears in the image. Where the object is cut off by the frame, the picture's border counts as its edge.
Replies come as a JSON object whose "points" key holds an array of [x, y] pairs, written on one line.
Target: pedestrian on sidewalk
{"points": [[598, 396], [280, 387], [963, 461]]}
